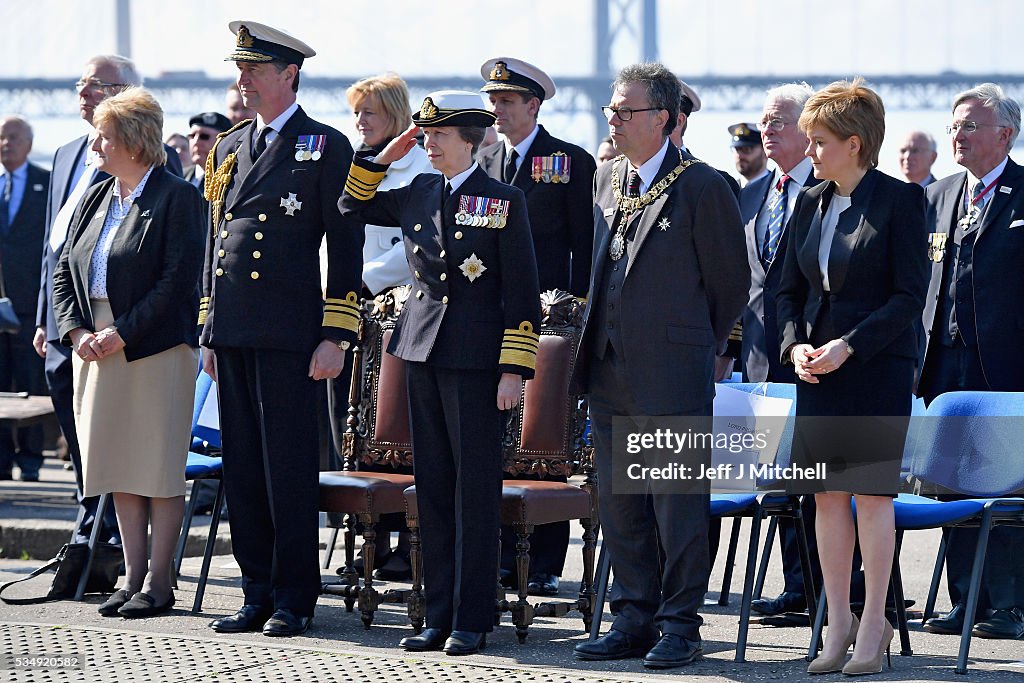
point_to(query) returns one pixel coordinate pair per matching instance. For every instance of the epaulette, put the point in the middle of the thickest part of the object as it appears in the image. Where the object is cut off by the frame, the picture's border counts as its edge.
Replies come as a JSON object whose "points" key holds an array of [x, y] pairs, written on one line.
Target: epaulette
{"points": [[215, 182]]}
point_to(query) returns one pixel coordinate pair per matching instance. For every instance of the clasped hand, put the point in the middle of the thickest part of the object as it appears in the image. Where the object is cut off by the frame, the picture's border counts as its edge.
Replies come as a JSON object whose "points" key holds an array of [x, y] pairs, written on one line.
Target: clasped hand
{"points": [[809, 361], [93, 346]]}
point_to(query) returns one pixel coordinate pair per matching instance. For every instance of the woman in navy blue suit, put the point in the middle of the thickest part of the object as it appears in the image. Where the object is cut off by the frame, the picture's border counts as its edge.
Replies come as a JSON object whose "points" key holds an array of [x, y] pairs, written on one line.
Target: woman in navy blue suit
{"points": [[853, 284]]}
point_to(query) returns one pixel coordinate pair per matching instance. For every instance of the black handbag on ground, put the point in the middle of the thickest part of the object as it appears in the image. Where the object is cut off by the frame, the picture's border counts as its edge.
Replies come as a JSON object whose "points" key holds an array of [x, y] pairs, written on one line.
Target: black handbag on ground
{"points": [[9, 322], [69, 564]]}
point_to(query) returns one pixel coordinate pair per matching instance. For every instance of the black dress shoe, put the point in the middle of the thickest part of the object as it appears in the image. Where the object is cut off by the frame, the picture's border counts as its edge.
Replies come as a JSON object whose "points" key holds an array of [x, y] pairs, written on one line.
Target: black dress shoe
{"points": [[1002, 624], [951, 624], [285, 622], [114, 603], [249, 618], [673, 650], [464, 643], [507, 578], [431, 639], [613, 645], [542, 584], [396, 568], [144, 605], [786, 601]]}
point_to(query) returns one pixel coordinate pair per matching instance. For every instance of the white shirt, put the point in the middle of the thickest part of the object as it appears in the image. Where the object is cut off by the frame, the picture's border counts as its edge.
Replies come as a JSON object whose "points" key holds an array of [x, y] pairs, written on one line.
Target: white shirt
{"points": [[828, 231], [117, 211], [461, 178], [276, 125], [649, 169], [523, 147], [989, 178]]}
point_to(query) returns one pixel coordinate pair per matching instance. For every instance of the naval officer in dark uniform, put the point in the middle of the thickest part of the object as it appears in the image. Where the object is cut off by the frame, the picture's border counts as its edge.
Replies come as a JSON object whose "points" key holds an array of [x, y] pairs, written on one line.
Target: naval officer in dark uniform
{"points": [[557, 178], [469, 336], [268, 335]]}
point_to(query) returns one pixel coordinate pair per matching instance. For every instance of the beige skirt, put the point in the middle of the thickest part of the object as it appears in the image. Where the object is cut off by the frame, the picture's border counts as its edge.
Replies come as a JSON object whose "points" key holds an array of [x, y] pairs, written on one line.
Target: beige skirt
{"points": [[134, 419]]}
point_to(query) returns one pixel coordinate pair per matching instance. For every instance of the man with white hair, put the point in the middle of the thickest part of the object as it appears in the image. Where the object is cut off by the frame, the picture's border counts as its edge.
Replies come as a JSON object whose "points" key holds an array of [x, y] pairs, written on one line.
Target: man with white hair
{"points": [[72, 174], [972, 325], [766, 205], [917, 154]]}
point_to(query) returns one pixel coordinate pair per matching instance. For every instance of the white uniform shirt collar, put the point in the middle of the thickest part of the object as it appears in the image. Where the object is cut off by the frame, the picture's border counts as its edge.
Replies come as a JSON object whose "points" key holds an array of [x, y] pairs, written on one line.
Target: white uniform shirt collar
{"points": [[799, 173], [523, 147], [461, 178], [277, 124], [648, 170]]}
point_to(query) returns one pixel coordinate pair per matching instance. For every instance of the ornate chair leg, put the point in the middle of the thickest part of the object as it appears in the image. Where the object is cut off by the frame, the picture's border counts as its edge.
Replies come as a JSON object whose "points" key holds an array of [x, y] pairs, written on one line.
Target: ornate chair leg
{"points": [[587, 595], [414, 602], [522, 611], [369, 598], [349, 575]]}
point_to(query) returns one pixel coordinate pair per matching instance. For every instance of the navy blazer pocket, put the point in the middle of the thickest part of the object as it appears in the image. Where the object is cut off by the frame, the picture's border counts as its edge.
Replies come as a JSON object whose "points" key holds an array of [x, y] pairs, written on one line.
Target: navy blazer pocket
{"points": [[691, 336]]}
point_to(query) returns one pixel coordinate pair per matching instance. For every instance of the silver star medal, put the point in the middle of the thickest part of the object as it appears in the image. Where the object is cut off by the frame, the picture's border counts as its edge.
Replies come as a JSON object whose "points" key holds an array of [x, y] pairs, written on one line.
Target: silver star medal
{"points": [[970, 218], [664, 224], [291, 204], [472, 267]]}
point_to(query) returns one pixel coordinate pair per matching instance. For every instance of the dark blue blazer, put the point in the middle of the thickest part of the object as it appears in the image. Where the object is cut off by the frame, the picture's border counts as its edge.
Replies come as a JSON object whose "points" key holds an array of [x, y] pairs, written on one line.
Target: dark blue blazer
{"points": [[998, 281], [19, 248], [878, 269], [760, 346]]}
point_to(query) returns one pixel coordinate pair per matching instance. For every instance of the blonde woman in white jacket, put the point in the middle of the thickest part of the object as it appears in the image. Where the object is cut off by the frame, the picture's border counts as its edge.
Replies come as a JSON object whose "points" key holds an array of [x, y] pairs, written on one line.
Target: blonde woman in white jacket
{"points": [[380, 105]]}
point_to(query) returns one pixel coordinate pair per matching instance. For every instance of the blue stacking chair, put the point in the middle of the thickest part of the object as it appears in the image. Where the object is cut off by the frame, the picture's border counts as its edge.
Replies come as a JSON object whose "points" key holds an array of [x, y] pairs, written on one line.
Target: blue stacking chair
{"points": [[736, 506], [967, 442], [201, 467]]}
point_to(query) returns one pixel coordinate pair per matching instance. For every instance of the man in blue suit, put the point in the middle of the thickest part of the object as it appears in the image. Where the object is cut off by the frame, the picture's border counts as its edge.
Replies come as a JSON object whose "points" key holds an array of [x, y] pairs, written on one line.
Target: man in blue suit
{"points": [[22, 220], [104, 75], [972, 326]]}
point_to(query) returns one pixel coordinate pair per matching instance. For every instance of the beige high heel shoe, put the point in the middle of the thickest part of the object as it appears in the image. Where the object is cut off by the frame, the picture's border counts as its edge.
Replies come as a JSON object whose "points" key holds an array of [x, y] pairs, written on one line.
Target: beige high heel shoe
{"points": [[821, 665], [874, 665]]}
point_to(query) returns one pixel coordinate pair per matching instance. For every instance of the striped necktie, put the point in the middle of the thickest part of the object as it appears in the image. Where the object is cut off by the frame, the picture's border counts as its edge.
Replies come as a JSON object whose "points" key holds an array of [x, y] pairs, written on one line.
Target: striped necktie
{"points": [[776, 222]]}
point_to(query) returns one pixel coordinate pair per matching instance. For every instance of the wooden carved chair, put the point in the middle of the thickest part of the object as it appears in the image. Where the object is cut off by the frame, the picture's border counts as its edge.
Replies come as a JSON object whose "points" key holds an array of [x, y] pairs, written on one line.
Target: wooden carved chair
{"points": [[377, 434], [544, 436]]}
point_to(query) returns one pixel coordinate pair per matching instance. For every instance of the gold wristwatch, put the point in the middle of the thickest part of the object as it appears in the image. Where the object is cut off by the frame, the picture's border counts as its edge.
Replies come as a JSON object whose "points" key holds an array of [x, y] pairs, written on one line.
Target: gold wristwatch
{"points": [[343, 345]]}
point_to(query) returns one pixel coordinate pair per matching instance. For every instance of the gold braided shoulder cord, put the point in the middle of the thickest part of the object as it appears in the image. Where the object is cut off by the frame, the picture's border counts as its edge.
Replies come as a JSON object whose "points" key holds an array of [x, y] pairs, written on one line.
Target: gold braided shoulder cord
{"points": [[215, 182], [630, 205]]}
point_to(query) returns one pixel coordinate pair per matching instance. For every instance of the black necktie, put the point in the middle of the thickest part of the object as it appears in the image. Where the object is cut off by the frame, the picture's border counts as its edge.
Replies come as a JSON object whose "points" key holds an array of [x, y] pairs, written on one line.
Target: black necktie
{"points": [[446, 195], [633, 186], [510, 167], [261, 143]]}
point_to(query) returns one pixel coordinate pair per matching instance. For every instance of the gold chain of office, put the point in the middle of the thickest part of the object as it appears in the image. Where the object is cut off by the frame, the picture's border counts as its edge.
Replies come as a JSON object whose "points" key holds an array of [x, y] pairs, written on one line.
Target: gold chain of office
{"points": [[630, 205]]}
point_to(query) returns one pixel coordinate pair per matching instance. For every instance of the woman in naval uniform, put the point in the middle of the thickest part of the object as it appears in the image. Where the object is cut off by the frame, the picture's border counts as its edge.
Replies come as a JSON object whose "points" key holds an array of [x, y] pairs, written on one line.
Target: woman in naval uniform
{"points": [[469, 335]]}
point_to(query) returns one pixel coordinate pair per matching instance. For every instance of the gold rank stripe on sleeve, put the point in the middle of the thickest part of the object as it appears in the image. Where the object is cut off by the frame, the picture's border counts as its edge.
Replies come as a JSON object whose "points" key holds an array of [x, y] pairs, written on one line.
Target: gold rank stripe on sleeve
{"points": [[204, 309], [362, 183], [736, 334], [519, 346], [343, 313]]}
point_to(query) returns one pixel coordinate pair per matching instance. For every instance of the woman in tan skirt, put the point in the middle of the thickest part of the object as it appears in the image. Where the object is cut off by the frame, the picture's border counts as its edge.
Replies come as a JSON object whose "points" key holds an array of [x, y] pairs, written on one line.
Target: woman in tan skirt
{"points": [[125, 297]]}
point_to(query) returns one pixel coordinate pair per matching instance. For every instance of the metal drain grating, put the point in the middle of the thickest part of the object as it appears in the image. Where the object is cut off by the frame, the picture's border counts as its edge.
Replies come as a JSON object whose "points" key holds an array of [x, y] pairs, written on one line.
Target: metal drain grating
{"points": [[125, 657]]}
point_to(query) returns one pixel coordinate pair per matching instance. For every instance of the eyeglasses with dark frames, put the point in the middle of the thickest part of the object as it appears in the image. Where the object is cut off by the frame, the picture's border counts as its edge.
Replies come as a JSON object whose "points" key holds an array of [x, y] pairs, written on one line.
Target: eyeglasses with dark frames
{"points": [[625, 113]]}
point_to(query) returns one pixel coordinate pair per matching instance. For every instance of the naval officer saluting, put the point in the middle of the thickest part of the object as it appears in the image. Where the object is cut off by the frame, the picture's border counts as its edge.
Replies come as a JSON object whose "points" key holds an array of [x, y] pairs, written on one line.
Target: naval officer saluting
{"points": [[268, 335], [469, 337]]}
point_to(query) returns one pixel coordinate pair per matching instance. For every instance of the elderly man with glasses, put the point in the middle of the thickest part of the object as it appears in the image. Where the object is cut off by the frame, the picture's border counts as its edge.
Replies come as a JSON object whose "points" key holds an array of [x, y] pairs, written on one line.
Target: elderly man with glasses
{"points": [[72, 174], [972, 324]]}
